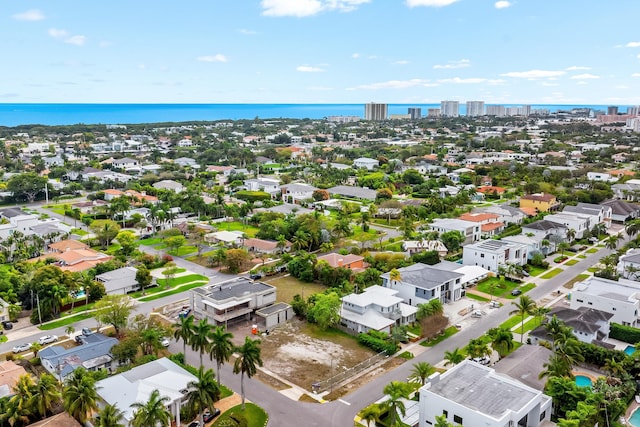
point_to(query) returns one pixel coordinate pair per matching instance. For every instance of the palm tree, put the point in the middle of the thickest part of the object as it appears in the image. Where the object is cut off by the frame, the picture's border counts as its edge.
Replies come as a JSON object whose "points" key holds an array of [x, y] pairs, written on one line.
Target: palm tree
{"points": [[612, 242], [501, 340], [421, 372], [633, 227], [80, 395], [563, 246], [200, 338], [45, 394], [555, 367], [203, 392], [453, 357], [109, 416], [220, 348], [370, 414], [477, 348], [396, 391], [247, 362], [540, 313], [153, 412], [395, 276], [20, 404], [183, 330], [524, 306], [69, 330], [571, 234]]}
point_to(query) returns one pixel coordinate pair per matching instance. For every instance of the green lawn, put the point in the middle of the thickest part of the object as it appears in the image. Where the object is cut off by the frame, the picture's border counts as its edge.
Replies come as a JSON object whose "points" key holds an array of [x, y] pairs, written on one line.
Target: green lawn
{"points": [[552, 273], [183, 279], [571, 262], [476, 297], [255, 415], [536, 271], [177, 285], [151, 242], [511, 322], [578, 278], [78, 232], [496, 287], [592, 269], [183, 250], [451, 330], [65, 321], [248, 230], [582, 256], [529, 325], [592, 251], [179, 289], [289, 286]]}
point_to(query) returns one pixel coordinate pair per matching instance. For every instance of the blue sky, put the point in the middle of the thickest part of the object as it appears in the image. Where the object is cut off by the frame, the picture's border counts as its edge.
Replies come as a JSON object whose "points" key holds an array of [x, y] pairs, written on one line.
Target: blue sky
{"points": [[320, 51]]}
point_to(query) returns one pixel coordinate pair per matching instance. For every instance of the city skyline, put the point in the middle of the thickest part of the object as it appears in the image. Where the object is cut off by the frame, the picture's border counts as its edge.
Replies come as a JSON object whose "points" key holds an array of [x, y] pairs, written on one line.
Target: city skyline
{"points": [[321, 51]]}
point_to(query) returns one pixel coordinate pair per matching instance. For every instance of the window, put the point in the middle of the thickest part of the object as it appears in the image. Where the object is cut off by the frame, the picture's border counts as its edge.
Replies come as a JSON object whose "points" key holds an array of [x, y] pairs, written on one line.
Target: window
{"points": [[579, 300], [542, 415], [613, 308], [445, 413], [590, 303], [457, 419], [481, 255]]}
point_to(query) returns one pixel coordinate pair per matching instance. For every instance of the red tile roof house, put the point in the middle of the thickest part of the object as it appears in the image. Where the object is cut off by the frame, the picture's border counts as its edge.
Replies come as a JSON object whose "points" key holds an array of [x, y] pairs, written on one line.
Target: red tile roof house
{"points": [[350, 261], [490, 224]]}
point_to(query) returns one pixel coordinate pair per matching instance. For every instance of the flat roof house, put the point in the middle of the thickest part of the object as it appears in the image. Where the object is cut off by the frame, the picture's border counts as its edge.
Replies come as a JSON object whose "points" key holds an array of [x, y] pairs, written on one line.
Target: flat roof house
{"points": [[491, 254], [230, 301], [469, 229], [476, 396], [620, 298]]}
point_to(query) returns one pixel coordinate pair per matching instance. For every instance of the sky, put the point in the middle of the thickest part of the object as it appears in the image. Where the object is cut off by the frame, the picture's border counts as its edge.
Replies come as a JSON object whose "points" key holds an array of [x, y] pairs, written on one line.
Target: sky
{"points": [[320, 51]]}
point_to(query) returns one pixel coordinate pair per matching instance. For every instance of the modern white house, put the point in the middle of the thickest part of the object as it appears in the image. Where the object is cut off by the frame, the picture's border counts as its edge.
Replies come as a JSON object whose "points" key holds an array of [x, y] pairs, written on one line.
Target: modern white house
{"points": [[507, 214], [420, 283], [296, 193], [377, 308], [365, 162], [491, 254], [473, 395], [598, 213], [137, 384], [533, 242], [622, 211], [619, 298], [629, 265], [580, 223], [268, 185], [545, 229], [417, 246], [471, 230]]}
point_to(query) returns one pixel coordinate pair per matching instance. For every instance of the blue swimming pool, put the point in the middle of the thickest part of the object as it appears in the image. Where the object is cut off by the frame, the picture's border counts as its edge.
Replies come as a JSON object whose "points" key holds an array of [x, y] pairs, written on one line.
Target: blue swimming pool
{"points": [[630, 350], [583, 381], [635, 418]]}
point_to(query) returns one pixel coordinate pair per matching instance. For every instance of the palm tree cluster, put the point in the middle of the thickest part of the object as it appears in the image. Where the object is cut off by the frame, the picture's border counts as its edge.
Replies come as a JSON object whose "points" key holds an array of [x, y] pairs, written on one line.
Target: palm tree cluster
{"points": [[565, 347]]}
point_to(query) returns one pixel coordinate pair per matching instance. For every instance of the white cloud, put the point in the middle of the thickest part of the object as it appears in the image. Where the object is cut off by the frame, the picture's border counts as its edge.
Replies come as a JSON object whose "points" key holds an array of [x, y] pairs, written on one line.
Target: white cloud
{"points": [[302, 8], [141, 66], [502, 4], [397, 84], [633, 44], [57, 33], [471, 80], [550, 84], [29, 15], [76, 40], [576, 68], [401, 62], [463, 63], [430, 3], [309, 69], [533, 74], [355, 55], [247, 32], [635, 75], [585, 76], [212, 58]]}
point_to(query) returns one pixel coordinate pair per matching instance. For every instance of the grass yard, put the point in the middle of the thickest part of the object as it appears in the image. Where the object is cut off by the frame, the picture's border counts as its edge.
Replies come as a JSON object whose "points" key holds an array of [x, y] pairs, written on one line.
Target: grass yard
{"points": [[524, 288], [511, 322], [571, 262], [536, 271], [255, 416], [552, 273], [289, 286], [451, 330], [592, 251], [496, 287], [79, 232], [65, 321], [183, 250], [476, 297], [578, 278], [592, 269], [582, 256], [151, 242], [179, 289], [529, 325], [249, 230]]}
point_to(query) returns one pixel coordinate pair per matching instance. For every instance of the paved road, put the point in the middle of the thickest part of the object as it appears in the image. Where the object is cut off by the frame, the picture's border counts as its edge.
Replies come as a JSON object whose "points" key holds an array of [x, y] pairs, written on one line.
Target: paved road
{"points": [[284, 412]]}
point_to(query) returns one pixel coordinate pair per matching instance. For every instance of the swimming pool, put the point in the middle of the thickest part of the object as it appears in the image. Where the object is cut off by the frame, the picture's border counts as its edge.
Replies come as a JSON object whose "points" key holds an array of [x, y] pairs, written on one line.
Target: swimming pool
{"points": [[630, 350], [635, 418], [583, 381]]}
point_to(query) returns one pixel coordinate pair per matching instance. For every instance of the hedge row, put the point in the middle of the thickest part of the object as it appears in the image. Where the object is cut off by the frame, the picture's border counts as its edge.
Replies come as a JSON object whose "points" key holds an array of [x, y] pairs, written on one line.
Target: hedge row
{"points": [[377, 343], [627, 334]]}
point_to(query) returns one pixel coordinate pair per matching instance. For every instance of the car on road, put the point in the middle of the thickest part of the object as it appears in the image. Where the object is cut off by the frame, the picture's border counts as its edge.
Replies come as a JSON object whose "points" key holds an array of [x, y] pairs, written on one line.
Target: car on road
{"points": [[194, 424], [525, 273], [208, 416], [21, 347], [86, 331], [145, 236], [516, 292], [165, 342], [255, 276], [7, 325], [47, 339]]}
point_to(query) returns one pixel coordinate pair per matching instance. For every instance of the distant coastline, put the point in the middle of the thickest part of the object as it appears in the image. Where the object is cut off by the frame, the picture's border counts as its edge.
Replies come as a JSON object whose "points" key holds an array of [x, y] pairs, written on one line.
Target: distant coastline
{"points": [[69, 114]]}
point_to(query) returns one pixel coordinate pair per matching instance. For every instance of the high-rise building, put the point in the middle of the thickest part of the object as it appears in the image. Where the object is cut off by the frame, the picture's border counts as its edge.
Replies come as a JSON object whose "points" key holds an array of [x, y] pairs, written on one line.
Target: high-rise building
{"points": [[526, 110], [496, 110], [415, 113], [612, 110], [633, 111], [373, 111], [475, 108], [433, 112], [450, 108]]}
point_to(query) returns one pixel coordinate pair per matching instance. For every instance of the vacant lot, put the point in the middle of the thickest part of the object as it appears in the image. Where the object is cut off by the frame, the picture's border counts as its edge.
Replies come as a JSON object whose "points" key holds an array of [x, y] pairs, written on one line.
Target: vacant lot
{"points": [[303, 354], [289, 286]]}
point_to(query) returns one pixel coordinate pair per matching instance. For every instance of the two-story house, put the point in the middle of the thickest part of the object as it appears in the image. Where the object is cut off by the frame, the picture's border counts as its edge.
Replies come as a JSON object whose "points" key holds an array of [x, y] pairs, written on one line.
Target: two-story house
{"points": [[296, 193], [377, 308], [366, 163], [490, 224], [620, 298], [268, 185], [541, 202], [491, 254], [470, 230], [420, 283]]}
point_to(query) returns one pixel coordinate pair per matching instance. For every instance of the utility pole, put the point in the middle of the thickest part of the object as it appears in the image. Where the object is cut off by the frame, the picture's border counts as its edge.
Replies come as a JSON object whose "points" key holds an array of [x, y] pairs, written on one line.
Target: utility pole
{"points": [[46, 191], [39, 313]]}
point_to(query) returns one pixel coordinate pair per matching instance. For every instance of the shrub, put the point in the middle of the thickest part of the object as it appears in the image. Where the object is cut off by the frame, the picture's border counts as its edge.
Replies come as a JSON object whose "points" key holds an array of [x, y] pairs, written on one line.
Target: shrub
{"points": [[166, 259], [378, 342], [252, 196], [624, 333]]}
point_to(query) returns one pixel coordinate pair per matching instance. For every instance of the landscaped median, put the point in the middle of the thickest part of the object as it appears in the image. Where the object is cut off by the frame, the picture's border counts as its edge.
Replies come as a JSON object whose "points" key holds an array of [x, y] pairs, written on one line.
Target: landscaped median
{"points": [[253, 415]]}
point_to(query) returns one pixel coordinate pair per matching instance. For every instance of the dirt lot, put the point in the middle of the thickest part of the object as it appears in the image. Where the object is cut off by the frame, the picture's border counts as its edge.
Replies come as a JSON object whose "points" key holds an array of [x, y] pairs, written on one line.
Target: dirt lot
{"points": [[301, 354]]}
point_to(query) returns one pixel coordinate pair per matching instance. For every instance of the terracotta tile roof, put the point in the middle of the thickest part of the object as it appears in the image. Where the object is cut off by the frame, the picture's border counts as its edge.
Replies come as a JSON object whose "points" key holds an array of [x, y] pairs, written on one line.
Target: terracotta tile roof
{"points": [[490, 189], [67, 245], [529, 211], [478, 217], [491, 226], [337, 260], [541, 197]]}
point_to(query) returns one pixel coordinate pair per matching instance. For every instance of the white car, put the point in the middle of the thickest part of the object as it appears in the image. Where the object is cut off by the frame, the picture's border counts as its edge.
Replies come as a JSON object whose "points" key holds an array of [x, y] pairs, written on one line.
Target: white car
{"points": [[21, 347], [165, 342], [47, 339]]}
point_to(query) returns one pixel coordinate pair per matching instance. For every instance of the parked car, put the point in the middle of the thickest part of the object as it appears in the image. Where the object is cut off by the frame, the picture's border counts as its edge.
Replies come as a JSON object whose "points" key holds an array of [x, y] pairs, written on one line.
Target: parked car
{"points": [[484, 360], [255, 276], [194, 424], [47, 339], [184, 313], [145, 236], [79, 339], [7, 325], [165, 342], [86, 331], [208, 416], [525, 273], [476, 313], [281, 268], [516, 292], [21, 347]]}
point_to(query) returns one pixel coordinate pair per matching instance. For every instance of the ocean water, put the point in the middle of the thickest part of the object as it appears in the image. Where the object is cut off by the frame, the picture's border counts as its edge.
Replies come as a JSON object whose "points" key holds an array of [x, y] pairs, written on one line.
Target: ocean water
{"points": [[67, 114]]}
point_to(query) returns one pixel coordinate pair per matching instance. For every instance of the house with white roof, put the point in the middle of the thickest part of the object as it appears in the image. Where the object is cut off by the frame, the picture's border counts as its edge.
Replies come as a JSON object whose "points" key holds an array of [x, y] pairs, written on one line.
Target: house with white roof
{"points": [[296, 193], [491, 254], [169, 184], [474, 395], [377, 308], [507, 214], [598, 214], [137, 384], [225, 237], [471, 230], [629, 265], [620, 298], [417, 246], [366, 163], [580, 223], [268, 185], [119, 281]]}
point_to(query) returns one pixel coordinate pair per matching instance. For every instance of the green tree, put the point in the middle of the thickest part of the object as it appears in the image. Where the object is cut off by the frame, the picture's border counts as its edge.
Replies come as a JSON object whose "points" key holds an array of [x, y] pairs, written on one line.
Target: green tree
{"points": [[203, 392], [183, 330], [200, 339], [325, 311], [453, 357], [79, 395], [247, 362], [421, 372], [26, 186], [611, 242], [127, 241], [105, 230], [220, 347], [114, 310], [45, 394], [371, 414], [109, 416], [174, 243], [153, 412], [396, 392], [524, 306], [477, 348], [143, 277], [501, 340], [452, 240], [235, 260], [408, 228]]}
